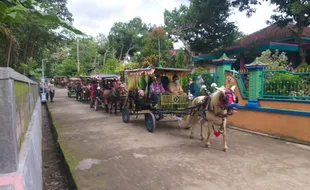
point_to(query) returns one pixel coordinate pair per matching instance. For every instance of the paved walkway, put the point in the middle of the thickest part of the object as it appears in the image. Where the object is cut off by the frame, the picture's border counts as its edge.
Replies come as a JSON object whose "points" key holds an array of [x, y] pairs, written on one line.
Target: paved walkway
{"points": [[105, 153]]}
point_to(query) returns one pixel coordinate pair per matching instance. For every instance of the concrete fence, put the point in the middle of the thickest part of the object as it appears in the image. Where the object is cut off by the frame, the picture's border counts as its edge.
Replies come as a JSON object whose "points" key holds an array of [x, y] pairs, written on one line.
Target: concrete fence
{"points": [[20, 132]]}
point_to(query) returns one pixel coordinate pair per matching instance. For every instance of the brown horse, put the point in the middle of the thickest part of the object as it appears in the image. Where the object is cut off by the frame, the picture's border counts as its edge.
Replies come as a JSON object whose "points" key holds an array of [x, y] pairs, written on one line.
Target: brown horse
{"points": [[211, 109], [116, 97]]}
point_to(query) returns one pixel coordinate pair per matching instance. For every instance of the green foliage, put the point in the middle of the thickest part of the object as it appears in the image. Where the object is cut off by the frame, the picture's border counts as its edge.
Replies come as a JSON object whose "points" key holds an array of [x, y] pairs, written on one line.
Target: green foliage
{"points": [[178, 60], [127, 37], [157, 39], [68, 67], [303, 67], [203, 26], [110, 66], [282, 84], [29, 69]]}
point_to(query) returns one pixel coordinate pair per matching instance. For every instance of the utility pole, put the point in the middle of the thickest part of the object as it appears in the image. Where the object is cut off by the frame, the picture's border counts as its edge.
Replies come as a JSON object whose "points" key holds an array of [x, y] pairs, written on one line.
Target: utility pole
{"points": [[42, 69], [78, 55], [158, 50]]}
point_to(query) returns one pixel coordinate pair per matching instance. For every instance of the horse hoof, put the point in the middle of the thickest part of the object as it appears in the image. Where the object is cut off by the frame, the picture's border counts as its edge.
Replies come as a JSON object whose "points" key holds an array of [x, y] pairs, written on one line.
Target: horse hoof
{"points": [[191, 137], [208, 145], [225, 149], [202, 139]]}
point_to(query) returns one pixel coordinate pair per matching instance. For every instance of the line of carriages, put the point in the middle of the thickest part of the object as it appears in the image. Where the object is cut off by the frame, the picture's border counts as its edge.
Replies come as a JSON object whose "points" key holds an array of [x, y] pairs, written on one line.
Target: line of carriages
{"points": [[104, 91], [132, 97]]}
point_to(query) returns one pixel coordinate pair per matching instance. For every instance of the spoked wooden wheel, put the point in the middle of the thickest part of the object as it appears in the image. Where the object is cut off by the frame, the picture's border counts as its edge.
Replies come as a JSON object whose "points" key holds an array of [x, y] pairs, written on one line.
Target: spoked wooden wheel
{"points": [[150, 122], [125, 115]]}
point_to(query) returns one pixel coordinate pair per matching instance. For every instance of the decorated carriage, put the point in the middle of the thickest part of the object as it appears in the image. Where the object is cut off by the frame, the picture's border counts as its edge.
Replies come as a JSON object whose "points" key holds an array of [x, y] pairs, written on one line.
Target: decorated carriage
{"points": [[107, 92], [59, 81], [72, 84], [83, 91], [138, 99]]}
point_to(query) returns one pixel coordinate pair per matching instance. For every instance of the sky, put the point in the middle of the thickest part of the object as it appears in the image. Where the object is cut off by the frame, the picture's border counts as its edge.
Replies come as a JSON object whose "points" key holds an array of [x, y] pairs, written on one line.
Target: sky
{"points": [[97, 16]]}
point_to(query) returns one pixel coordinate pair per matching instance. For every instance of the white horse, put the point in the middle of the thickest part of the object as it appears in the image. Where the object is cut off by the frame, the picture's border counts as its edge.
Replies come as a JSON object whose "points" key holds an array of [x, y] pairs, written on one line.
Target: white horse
{"points": [[212, 107]]}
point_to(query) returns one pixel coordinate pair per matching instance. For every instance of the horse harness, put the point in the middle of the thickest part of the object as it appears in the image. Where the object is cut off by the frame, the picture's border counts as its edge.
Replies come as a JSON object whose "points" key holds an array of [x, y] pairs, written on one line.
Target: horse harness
{"points": [[205, 105]]}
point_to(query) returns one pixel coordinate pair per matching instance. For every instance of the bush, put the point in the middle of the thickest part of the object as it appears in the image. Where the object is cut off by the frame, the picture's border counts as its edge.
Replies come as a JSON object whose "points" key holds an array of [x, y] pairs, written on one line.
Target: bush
{"points": [[283, 83]]}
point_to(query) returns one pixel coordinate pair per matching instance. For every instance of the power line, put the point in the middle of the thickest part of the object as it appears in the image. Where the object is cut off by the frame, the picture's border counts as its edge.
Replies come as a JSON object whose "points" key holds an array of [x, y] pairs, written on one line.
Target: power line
{"points": [[149, 2]]}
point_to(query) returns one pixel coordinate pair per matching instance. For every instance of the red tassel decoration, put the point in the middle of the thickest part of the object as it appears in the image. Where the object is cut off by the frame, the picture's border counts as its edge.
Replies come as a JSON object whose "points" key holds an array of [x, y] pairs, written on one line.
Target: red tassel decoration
{"points": [[217, 133]]}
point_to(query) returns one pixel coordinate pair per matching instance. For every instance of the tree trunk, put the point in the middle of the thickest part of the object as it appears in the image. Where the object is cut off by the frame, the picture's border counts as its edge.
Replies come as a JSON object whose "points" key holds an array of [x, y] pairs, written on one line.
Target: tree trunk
{"points": [[129, 49], [302, 52], [188, 54], [121, 54], [105, 54], [9, 54]]}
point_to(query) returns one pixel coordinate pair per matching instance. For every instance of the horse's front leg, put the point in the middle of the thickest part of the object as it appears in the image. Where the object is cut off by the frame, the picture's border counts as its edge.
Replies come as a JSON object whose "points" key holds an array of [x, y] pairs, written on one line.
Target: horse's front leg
{"points": [[224, 135], [209, 134], [202, 133], [192, 123]]}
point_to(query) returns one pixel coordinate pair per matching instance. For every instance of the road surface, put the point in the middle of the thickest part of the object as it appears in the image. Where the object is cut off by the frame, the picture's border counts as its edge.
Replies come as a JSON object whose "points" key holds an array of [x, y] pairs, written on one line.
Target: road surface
{"points": [[105, 153]]}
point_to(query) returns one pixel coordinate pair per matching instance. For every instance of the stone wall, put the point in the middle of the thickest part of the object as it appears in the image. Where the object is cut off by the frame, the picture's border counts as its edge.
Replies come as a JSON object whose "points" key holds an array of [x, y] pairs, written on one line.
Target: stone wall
{"points": [[20, 132]]}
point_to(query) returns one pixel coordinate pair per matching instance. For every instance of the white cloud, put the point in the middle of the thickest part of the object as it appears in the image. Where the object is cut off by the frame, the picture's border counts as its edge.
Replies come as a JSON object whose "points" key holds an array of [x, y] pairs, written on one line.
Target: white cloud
{"points": [[256, 22], [98, 16]]}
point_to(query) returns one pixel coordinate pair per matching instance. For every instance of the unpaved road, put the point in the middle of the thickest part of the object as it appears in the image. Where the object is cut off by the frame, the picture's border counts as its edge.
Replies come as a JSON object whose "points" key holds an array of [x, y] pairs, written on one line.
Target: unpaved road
{"points": [[55, 176], [105, 153]]}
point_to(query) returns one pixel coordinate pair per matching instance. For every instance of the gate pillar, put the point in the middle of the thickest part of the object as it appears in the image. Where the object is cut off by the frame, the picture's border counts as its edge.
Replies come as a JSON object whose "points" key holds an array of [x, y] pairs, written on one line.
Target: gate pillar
{"points": [[255, 82], [222, 64]]}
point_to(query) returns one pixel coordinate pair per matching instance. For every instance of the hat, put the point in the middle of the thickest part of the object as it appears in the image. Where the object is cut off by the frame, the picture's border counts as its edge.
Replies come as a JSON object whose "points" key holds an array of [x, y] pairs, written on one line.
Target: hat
{"points": [[190, 79]]}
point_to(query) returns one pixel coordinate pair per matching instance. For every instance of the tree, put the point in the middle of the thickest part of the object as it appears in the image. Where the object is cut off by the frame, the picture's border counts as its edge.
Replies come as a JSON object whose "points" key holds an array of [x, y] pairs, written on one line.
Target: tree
{"points": [[157, 43], [88, 53], [178, 24], [28, 32], [126, 39], [202, 26], [66, 68], [287, 12]]}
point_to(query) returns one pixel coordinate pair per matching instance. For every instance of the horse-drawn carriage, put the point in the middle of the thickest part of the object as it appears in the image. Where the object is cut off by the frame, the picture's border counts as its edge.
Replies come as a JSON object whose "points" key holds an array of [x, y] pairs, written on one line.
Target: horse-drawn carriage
{"points": [[139, 102], [72, 86], [107, 92], [83, 91], [59, 81]]}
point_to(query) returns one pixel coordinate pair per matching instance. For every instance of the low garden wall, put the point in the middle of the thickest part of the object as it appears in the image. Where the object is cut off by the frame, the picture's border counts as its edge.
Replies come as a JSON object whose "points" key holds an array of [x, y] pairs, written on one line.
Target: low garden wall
{"points": [[20, 132], [288, 119]]}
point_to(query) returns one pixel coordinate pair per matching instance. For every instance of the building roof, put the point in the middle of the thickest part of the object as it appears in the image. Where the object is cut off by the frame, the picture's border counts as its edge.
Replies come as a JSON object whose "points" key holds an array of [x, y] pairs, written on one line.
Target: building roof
{"points": [[267, 34]]}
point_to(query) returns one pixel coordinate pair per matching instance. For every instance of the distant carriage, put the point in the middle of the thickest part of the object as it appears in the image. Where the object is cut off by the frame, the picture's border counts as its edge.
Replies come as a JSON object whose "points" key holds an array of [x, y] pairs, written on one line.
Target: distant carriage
{"points": [[72, 86]]}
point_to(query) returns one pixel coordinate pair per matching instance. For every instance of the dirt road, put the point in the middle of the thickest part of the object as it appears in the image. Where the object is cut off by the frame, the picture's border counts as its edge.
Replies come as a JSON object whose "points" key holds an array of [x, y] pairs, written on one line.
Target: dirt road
{"points": [[105, 153]]}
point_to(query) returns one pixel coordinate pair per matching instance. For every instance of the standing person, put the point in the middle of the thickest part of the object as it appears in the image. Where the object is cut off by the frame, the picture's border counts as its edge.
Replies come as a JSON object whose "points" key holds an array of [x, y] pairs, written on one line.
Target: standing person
{"points": [[51, 89], [190, 88]]}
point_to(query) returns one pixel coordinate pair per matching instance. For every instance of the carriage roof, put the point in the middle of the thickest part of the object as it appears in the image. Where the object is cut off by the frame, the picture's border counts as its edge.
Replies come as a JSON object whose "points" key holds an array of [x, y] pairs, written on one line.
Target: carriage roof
{"points": [[85, 77], [157, 70], [105, 76], [74, 79]]}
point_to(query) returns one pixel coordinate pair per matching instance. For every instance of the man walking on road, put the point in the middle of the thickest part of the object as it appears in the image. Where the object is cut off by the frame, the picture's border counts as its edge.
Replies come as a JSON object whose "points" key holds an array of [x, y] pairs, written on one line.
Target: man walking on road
{"points": [[51, 89]]}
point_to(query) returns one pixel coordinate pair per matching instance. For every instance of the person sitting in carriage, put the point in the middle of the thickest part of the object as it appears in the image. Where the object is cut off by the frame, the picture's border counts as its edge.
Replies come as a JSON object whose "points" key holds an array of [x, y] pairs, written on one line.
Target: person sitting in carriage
{"points": [[156, 89], [174, 87]]}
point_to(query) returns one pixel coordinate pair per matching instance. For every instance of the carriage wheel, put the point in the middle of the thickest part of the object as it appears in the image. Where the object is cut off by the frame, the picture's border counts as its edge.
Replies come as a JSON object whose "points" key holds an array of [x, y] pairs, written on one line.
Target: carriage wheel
{"points": [[96, 105], [150, 122], [125, 115], [115, 107], [91, 103]]}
